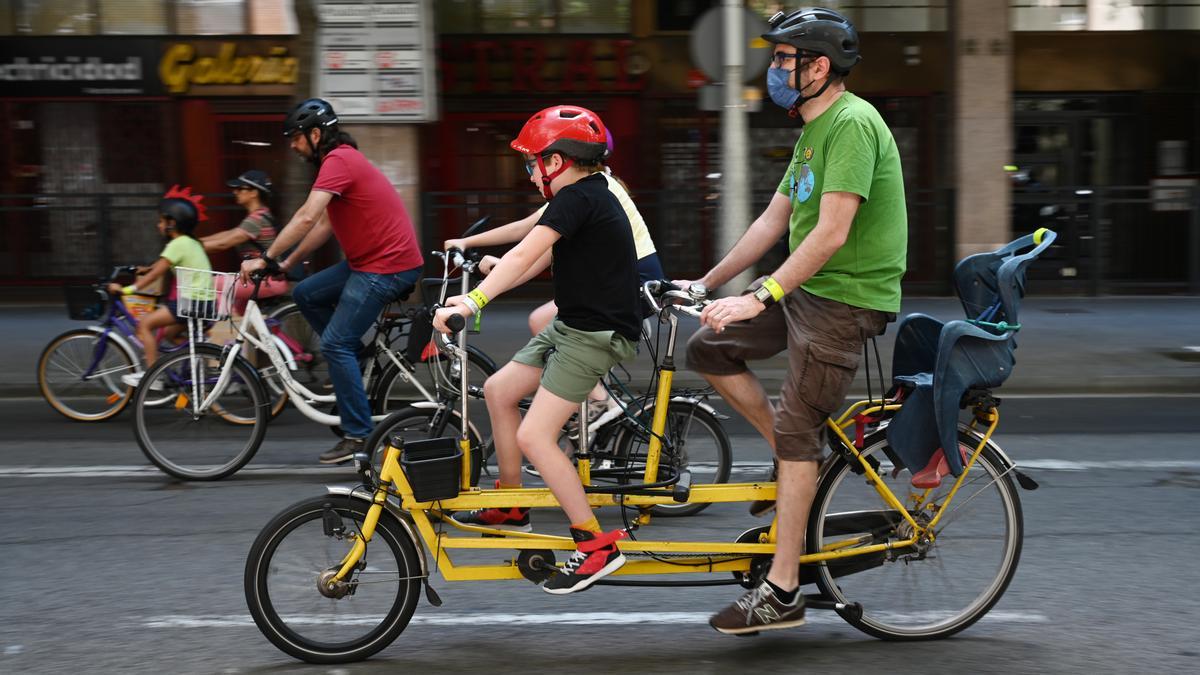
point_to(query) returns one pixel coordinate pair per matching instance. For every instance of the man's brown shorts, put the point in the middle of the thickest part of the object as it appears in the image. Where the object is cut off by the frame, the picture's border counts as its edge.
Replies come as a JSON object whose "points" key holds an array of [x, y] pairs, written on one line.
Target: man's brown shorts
{"points": [[824, 340]]}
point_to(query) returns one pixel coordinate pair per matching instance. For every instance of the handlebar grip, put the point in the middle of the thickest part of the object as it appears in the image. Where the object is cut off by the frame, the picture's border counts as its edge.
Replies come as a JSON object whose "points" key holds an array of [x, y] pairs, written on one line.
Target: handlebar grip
{"points": [[456, 322]]}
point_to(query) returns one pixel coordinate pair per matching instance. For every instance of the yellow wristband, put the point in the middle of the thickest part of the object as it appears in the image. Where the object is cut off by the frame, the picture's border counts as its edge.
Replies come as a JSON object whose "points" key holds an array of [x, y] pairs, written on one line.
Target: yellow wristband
{"points": [[129, 290], [776, 290], [479, 298]]}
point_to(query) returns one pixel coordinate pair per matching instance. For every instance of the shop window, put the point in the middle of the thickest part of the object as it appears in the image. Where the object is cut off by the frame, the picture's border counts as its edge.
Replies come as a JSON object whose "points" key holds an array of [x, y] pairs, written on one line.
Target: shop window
{"points": [[580, 16], [132, 142], [1104, 15], [54, 17], [532, 16], [679, 15], [273, 17], [210, 17], [133, 17], [890, 16]]}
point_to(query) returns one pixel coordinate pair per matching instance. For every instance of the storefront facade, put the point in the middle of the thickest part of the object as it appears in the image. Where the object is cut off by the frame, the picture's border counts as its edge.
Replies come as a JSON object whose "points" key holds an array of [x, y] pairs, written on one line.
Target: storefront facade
{"points": [[95, 129]]}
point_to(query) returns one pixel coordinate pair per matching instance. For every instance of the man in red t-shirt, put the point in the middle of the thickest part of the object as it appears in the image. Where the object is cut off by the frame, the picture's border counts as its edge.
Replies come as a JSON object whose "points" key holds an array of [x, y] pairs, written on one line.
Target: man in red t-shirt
{"points": [[355, 202]]}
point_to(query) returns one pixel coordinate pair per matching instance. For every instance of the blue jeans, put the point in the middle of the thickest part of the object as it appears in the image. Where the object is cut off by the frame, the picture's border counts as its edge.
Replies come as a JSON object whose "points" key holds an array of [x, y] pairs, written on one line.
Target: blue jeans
{"points": [[342, 305]]}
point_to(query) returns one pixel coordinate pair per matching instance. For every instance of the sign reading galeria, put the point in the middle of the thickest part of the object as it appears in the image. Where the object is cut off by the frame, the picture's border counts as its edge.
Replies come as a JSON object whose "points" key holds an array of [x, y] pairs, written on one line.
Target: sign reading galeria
{"points": [[228, 68], [375, 61]]}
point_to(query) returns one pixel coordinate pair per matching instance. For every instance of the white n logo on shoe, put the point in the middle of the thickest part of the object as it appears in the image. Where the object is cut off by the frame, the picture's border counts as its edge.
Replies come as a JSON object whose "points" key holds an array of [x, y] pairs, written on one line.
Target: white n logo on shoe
{"points": [[766, 614]]}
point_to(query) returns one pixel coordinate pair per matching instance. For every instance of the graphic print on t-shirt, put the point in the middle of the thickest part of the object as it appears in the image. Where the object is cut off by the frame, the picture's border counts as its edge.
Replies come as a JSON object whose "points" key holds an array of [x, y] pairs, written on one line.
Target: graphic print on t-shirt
{"points": [[802, 186]]}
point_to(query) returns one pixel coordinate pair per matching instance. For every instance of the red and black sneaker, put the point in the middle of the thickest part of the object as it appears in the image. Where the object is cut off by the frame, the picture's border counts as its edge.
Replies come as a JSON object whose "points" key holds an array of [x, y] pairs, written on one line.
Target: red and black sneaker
{"points": [[513, 519], [596, 556]]}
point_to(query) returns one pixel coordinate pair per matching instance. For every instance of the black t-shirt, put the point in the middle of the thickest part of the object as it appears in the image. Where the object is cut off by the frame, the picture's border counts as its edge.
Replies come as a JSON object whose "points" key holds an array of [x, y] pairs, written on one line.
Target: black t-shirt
{"points": [[595, 261]]}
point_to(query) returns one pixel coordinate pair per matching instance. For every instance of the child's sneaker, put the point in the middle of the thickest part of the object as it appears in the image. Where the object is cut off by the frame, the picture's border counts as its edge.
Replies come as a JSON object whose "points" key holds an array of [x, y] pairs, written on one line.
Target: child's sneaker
{"points": [[513, 519], [596, 556]]}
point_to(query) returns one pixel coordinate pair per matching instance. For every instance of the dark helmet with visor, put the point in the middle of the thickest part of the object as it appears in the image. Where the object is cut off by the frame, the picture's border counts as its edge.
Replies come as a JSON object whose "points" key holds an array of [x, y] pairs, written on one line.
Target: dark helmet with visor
{"points": [[818, 31]]}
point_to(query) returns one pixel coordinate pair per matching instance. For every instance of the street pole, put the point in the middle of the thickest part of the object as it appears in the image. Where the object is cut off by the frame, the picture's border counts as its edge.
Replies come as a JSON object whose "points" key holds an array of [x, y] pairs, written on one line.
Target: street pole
{"points": [[735, 182]]}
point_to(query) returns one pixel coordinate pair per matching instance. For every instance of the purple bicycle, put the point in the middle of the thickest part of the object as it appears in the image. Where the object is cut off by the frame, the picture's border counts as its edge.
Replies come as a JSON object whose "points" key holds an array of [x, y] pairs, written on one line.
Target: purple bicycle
{"points": [[79, 372]]}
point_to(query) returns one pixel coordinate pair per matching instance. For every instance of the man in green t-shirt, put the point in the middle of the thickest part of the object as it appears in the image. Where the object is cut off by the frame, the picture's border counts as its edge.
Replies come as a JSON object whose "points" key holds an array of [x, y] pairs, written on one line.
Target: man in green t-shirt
{"points": [[841, 203]]}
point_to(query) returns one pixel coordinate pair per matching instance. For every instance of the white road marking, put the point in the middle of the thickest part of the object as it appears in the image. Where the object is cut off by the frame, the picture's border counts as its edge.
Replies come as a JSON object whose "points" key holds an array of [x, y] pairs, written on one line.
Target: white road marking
{"points": [[563, 619], [13, 650], [743, 470]]}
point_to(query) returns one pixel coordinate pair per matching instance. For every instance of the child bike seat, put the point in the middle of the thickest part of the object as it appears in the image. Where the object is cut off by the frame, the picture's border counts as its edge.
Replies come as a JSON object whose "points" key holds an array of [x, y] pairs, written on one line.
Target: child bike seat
{"points": [[938, 363]]}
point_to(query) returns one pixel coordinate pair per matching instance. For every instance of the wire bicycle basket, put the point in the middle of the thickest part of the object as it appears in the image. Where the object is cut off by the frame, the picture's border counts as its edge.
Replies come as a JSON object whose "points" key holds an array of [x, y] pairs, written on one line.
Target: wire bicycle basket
{"points": [[204, 294]]}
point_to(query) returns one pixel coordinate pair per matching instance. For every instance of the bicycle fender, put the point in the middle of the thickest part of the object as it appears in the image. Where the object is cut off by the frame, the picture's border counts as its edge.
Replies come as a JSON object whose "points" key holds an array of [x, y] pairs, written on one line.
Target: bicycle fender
{"points": [[700, 403], [389, 507], [121, 343]]}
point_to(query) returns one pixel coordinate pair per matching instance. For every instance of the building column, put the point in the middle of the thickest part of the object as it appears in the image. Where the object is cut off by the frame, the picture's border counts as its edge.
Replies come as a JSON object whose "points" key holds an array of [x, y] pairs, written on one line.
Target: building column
{"points": [[982, 104]]}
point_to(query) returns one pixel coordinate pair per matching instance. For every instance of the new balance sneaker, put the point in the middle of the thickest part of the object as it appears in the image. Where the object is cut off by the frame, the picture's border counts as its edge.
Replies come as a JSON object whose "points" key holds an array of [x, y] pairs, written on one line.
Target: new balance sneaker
{"points": [[134, 379], [596, 556], [343, 451], [513, 519], [758, 610]]}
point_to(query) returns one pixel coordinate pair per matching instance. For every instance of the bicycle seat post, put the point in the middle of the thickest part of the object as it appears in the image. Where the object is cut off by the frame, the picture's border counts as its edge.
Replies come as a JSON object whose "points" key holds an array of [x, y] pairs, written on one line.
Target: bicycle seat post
{"points": [[583, 454]]}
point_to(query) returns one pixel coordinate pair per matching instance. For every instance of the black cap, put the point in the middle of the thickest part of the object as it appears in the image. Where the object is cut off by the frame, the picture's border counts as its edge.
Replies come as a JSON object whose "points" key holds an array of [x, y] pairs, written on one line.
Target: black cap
{"points": [[255, 179]]}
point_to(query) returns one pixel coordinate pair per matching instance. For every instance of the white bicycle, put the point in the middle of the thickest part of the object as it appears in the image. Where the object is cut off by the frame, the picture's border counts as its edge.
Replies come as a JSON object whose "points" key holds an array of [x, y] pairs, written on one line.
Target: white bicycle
{"points": [[219, 409]]}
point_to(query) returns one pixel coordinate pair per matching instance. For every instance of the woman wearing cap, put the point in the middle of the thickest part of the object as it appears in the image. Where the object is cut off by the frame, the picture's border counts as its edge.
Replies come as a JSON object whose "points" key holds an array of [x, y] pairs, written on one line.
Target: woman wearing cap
{"points": [[252, 236]]}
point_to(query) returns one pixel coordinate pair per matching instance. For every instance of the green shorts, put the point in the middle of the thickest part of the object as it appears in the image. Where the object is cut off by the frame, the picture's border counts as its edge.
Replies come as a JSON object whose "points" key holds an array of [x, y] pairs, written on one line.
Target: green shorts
{"points": [[580, 358]]}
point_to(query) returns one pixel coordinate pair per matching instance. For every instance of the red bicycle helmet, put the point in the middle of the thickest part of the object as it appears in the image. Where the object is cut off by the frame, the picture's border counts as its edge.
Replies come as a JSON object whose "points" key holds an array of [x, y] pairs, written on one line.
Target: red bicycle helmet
{"points": [[572, 131]]}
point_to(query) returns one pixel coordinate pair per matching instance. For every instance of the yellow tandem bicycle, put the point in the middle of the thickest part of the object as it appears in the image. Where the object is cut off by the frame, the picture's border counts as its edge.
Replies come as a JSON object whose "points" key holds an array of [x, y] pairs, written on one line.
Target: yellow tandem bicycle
{"points": [[337, 577]]}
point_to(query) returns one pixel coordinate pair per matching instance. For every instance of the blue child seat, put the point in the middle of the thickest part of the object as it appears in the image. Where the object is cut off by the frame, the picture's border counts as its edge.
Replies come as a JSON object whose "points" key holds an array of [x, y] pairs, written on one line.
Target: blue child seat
{"points": [[940, 362]]}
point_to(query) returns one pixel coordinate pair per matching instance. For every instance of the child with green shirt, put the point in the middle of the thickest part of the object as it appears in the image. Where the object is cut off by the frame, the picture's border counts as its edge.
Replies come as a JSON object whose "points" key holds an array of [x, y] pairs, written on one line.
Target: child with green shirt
{"points": [[179, 213]]}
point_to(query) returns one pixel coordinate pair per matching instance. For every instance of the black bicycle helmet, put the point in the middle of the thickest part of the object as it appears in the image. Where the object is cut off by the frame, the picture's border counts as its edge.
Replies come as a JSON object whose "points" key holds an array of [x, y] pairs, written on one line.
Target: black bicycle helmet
{"points": [[182, 211], [313, 113], [820, 31]]}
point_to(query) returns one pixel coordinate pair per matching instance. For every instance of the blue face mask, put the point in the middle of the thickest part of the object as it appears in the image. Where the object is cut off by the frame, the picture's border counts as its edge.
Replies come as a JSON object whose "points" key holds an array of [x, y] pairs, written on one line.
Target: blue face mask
{"points": [[781, 92]]}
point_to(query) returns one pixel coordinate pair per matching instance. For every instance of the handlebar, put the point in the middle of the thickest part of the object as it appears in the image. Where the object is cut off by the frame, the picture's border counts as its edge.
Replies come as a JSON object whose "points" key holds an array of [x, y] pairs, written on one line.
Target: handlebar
{"points": [[118, 271], [662, 294]]}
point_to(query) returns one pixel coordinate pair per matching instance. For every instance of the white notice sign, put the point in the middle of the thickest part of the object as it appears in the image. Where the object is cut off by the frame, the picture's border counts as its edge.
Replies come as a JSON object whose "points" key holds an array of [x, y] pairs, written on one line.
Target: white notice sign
{"points": [[374, 60]]}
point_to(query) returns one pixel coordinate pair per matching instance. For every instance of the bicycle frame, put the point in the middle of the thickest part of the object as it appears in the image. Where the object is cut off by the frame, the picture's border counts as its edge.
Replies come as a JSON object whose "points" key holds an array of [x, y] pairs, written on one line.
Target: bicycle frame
{"points": [[254, 332], [708, 557]]}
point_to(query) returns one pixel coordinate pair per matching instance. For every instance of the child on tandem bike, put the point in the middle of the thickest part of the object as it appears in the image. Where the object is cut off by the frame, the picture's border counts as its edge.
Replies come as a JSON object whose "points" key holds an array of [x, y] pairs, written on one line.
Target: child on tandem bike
{"points": [[599, 318]]}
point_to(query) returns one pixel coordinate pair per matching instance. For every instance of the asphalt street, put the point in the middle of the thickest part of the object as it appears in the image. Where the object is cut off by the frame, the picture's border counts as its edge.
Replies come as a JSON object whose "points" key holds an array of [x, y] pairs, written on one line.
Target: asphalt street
{"points": [[111, 567]]}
